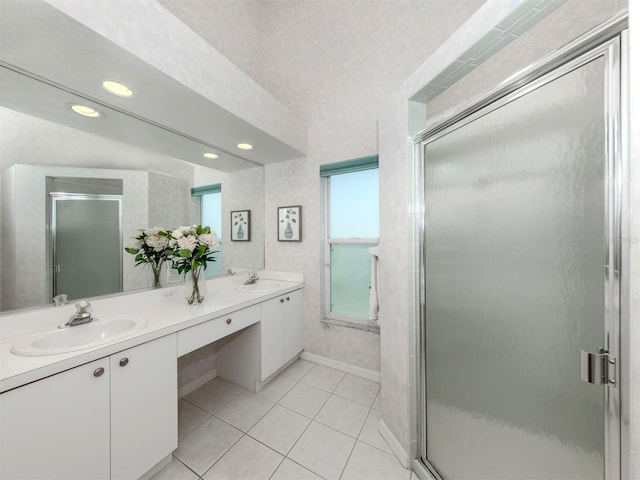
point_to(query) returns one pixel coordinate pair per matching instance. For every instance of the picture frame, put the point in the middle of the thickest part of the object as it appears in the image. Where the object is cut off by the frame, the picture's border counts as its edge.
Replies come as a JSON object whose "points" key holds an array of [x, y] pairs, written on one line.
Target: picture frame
{"points": [[241, 225], [290, 224]]}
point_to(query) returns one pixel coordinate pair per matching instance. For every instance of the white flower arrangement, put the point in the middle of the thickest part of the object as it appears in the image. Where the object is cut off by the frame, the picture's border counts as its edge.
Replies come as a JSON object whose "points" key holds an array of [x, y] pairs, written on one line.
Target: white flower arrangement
{"points": [[192, 247]]}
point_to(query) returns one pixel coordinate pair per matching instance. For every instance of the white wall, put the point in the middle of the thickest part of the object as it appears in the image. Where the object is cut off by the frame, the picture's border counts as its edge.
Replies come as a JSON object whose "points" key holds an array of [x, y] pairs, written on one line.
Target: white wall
{"points": [[335, 62]]}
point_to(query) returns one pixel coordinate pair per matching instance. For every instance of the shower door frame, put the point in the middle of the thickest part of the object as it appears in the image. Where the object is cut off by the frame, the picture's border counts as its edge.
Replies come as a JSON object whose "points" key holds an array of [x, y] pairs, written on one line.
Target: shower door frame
{"points": [[608, 40]]}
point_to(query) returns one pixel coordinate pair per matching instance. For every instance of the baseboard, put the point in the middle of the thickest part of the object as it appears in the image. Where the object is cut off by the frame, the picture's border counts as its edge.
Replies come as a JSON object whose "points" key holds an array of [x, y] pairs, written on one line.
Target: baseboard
{"points": [[394, 444], [343, 367], [197, 383]]}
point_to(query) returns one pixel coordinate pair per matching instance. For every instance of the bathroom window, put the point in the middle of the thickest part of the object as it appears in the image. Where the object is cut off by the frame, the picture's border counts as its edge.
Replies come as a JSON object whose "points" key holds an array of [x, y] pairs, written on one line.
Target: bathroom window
{"points": [[352, 226], [208, 211]]}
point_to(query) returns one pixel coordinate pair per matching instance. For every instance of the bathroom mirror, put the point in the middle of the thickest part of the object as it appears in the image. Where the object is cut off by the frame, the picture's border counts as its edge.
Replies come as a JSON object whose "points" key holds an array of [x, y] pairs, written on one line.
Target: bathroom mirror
{"points": [[46, 148]]}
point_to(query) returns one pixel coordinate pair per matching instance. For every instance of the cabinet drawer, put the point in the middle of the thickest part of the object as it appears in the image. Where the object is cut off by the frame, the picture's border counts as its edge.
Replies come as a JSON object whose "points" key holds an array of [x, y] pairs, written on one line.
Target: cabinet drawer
{"points": [[193, 338]]}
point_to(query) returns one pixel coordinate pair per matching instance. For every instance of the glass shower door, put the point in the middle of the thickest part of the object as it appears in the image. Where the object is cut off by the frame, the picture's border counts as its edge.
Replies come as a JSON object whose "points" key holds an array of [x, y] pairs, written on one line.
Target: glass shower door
{"points": [[87, 244], [516, 229]]}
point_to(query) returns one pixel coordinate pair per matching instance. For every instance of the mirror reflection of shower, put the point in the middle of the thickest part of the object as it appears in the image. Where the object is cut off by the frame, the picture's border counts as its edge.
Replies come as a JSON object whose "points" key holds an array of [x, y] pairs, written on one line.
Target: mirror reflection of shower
{"points": [[85, 247]]}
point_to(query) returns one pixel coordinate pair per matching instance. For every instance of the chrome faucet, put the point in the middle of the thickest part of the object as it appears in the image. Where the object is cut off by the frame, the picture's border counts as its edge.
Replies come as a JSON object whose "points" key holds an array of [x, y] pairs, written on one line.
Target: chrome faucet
{"points": [[253, 278], [81, 316]]}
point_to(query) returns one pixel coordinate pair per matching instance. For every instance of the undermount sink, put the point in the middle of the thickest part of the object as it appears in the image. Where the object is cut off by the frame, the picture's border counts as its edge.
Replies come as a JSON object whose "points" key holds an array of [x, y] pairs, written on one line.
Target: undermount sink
{"points": [[79, 337], [262, 286]]}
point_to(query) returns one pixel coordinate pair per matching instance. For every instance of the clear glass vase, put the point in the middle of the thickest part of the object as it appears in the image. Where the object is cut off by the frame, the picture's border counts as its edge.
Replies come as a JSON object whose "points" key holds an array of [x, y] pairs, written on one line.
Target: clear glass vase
{"points": [[156, 268], [195, 286]]}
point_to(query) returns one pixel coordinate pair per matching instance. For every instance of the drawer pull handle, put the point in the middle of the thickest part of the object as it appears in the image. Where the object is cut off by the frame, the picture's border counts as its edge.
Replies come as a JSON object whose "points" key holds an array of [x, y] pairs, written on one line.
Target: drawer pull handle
{"points": [[98, 372], [282, 300], [287, 299], [228, 321], [124, 362]]}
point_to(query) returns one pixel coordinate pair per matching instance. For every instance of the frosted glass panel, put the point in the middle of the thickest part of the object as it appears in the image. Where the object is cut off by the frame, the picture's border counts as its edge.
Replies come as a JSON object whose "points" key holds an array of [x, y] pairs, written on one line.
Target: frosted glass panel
{"points": [[88, 247], [350, 279], [355, 210], [212, 216], [514, 286]]}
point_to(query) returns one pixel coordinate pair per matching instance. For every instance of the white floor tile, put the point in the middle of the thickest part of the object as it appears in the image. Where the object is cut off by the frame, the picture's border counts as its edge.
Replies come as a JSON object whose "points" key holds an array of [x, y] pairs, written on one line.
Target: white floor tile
{"points": [[323, 450], [343, 415], [370, 433], [358, 389], [373, 464], [277, 388], [304, 399], [298, 369], [206, 444], [175, 471], [189, 417], [280, 429], [247, 460], [323, 377], [289, 470], [245, 410], [214, 395]]}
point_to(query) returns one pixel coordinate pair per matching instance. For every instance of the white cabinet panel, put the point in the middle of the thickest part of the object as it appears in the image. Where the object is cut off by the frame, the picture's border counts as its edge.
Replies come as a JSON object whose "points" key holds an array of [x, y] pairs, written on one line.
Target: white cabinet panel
{"points": [[281, 330], [144, 407], [293, 325], [271, 338], [57, 427]]}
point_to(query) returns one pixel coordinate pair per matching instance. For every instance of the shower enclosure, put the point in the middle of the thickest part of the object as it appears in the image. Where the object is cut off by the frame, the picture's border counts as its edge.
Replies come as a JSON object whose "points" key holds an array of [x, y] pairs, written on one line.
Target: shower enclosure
{"points": [[86, 240], [521, 276]]}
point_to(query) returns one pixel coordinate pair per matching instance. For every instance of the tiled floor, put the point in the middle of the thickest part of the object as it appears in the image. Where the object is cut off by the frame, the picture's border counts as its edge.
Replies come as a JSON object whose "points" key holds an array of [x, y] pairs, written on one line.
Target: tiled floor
{"points": [[310, 422]]}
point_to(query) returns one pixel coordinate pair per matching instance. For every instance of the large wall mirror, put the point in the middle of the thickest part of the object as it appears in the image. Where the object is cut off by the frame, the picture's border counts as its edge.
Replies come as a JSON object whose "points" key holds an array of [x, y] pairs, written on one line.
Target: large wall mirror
{"points": [[65, 174]]}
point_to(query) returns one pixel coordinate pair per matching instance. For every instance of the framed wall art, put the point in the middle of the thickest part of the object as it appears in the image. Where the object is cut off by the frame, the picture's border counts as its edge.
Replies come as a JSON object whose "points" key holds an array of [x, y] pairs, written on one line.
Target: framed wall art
{"points": [[240, 225], [290, 224]]}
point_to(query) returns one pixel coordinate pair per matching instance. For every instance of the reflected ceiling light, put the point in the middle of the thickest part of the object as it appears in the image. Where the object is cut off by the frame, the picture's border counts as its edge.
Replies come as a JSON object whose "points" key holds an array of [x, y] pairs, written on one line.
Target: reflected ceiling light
{"points": [[85, 110], [245, 146], [117, 88], [210, 155]]}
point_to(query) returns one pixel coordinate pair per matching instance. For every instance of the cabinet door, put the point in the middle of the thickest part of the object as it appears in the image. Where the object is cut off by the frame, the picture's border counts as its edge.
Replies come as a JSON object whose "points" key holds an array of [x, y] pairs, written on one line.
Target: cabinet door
{"points": [[58, 427], [293, 325], [144, 407], [271, 338]]}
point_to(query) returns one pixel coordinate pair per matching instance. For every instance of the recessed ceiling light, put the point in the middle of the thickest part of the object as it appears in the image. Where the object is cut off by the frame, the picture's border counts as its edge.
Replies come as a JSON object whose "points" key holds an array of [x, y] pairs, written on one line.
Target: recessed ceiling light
{"points": [[245, 146], [84, 110], [210, 155], [117, 88]]}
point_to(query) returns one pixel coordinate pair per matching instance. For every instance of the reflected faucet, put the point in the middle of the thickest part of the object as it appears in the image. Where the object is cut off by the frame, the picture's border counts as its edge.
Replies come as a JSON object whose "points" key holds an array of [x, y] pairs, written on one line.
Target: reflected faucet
{"points": [[253, 278], [81, 316]]}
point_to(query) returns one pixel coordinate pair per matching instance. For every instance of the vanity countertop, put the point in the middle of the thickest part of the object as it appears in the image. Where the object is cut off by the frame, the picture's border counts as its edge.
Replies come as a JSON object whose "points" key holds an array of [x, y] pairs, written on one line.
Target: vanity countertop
{"points": [[165, 311]]}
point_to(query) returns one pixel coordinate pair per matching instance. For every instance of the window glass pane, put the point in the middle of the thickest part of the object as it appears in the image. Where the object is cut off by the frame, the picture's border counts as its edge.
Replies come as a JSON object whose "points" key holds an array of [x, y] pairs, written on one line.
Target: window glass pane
{"points": [[355, 210], [211, 209], [350, 279]]}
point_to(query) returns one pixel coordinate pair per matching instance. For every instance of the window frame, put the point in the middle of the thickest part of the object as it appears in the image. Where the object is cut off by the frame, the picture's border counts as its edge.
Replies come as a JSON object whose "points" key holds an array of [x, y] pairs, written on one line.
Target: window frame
{"points": [[331, 317]]}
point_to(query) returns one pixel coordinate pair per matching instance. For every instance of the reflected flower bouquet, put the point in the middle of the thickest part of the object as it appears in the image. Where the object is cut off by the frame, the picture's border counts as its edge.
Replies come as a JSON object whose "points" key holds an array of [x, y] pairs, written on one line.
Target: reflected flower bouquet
{"points": [[150, 246]]}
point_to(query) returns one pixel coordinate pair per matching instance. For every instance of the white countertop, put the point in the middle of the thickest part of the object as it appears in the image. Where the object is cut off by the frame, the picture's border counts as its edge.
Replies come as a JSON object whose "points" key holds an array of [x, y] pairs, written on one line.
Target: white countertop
{"points": [[165, 310]]}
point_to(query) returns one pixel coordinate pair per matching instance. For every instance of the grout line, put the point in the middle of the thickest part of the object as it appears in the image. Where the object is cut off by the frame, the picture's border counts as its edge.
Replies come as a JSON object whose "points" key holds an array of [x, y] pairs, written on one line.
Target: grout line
{"points": [[311, 421]]}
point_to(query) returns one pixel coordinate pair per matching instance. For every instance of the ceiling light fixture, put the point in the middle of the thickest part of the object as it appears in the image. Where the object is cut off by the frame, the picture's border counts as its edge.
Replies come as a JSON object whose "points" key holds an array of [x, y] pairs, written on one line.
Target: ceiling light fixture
{"points": [[117, 88], [245, 146], [210, 155], [85, 110]]}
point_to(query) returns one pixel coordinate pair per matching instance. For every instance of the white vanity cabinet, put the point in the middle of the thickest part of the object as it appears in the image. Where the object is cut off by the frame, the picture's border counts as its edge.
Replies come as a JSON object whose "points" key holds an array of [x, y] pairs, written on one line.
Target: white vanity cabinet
{"points": [[114, 418], [144, 407], [281, 332], [57, 427]]}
